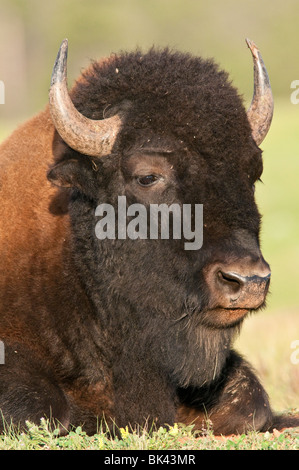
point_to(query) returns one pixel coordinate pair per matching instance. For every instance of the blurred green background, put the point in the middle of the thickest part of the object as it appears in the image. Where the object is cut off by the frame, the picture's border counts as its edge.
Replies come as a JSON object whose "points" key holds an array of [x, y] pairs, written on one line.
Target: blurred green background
{"points": [[30, 35]]}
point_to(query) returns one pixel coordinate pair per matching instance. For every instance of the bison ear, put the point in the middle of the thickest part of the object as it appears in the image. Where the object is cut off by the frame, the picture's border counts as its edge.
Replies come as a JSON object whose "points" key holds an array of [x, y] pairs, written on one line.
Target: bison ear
{"points": [[70, 174]]}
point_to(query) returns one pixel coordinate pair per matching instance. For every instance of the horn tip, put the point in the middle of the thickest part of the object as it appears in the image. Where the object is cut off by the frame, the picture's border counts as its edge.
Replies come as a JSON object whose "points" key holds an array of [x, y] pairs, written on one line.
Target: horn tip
{"points": [[253, 48], [59, 69], [64, 44]]}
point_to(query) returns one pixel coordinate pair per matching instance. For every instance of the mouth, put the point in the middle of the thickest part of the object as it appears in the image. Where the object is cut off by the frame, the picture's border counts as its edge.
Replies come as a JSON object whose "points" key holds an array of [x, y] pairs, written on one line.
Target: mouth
{"points": [[220, 317]]}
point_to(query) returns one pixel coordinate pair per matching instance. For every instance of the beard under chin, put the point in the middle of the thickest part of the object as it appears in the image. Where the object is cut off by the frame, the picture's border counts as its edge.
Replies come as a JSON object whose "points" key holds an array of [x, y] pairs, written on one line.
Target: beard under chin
{"points": [[193, 353]]}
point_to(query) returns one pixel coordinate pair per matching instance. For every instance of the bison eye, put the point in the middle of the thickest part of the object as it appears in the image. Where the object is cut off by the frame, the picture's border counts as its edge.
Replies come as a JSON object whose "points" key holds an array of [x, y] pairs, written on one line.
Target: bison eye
{"points": [[148, 180]]}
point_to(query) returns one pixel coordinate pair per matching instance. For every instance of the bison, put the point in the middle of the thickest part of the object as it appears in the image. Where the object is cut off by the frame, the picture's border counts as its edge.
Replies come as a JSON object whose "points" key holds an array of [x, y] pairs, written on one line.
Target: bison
{"points": [[134, 331]]}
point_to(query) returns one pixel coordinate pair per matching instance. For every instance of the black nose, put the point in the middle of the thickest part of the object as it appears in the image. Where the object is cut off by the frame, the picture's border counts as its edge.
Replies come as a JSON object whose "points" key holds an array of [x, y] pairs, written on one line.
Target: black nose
{"points": [[244, 285]]}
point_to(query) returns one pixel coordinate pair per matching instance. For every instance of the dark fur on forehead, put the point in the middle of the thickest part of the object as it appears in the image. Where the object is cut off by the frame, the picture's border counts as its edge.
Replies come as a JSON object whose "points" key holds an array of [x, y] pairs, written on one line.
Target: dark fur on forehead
{"points": [[171, 93]]}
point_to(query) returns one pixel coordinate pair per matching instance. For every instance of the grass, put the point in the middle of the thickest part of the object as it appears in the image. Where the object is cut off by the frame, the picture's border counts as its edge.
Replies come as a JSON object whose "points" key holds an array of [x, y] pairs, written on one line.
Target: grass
{"points": [[265, 341], [172, 438]]}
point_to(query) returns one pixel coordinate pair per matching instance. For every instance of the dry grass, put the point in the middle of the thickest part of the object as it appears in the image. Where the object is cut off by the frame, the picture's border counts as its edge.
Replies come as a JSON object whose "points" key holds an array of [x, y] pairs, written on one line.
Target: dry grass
{"points": [[266, 342]]}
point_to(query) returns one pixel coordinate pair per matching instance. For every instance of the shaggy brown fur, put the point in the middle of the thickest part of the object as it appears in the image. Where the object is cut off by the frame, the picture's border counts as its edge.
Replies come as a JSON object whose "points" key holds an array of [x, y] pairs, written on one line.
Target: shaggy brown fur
{"points": [[129, 329]]}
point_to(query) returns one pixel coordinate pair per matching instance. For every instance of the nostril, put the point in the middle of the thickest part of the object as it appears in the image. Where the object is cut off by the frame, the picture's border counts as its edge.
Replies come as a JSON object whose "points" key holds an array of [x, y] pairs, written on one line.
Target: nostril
{"points": [[232, 282]]}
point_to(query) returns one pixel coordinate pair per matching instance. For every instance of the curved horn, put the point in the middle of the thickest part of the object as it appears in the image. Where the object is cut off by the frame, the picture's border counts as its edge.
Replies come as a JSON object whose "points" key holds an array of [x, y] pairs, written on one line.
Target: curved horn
{"points": [[260, 112], [87, 136]]}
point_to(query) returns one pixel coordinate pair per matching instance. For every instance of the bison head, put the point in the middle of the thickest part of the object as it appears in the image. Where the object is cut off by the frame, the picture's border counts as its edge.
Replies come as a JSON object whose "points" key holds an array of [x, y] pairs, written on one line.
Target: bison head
{"points": [[165, 127]]}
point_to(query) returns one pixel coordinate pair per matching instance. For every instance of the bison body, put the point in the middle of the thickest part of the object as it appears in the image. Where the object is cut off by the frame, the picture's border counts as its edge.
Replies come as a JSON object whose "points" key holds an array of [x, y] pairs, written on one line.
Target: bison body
{"points": [[133, 331]]}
